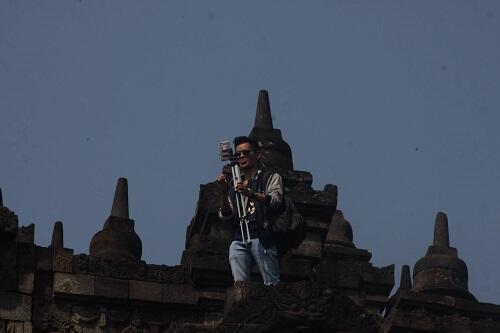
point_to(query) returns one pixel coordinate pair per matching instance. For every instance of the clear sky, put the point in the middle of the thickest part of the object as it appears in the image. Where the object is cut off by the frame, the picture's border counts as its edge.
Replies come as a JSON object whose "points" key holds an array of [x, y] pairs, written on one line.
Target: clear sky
{"points": [[395, 102]]}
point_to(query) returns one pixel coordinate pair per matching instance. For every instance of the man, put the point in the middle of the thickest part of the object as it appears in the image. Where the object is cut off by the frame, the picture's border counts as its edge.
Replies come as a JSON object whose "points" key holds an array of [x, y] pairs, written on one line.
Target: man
{"points": [[262, 199]]}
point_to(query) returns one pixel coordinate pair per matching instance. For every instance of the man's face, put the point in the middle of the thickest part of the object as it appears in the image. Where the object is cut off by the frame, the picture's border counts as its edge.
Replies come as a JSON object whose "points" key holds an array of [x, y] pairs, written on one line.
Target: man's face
{"points": [[247, 157]]}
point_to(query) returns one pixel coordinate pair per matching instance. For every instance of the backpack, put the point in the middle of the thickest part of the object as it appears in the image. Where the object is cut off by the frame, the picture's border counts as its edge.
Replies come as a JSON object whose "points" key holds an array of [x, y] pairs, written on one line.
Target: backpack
{"points": [[286, 224], [288, 228]]}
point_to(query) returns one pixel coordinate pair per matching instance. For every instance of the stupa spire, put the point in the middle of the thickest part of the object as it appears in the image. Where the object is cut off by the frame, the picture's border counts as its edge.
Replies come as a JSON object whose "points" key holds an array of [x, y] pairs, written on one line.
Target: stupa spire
{"points": [[340, 232], [275, 152], [263, 118], [57, 236], [405, 283], [120, 201], [117, 239], [441, 271], [441, 235]]}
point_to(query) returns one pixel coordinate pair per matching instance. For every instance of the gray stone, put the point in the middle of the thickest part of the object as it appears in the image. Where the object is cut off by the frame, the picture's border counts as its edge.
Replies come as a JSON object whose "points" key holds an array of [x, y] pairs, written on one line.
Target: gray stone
{"points": [[8, 224], [8, 279], [45, 258], [57, 236], [25, 281], [110, 287], [145, 291], [263, 118], [179, 293], [441, 234], [15, 306], [340, 232], [15, 327], [63, 260], [310, 246], [76, 284], [2, 326], [26, 234], [8, 253], [26, 255], [441, 270], [28, 327], [405, 283], [54, 259], [274, 150], [120, 201]]}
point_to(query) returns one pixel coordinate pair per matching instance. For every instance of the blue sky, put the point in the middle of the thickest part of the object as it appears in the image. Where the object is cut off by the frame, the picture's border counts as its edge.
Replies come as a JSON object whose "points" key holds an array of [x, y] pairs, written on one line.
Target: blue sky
{"points": [[395, 102]]}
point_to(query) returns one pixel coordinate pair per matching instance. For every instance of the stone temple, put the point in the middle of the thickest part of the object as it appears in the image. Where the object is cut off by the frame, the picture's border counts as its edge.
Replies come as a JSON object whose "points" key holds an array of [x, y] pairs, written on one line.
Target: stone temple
{"points": [[329, 284]]}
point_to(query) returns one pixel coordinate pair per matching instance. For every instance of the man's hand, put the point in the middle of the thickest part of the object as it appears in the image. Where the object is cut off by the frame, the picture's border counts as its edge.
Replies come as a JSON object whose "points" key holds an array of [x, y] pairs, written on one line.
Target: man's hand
{"points": [[242, 187], [222, 180]]}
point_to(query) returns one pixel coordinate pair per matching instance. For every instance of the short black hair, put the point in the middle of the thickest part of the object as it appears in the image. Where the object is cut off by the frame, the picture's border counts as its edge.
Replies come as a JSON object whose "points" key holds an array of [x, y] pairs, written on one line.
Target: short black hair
{"points": [[245, 139]]}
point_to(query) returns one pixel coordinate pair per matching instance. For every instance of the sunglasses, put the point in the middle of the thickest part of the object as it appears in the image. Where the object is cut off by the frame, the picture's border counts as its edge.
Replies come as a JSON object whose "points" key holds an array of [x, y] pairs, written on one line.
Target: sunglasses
{"points": [[245, 152]]}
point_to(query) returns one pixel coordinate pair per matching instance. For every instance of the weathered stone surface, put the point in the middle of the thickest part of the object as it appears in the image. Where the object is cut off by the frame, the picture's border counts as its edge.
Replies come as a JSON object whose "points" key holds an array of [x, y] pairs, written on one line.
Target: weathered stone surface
{"points": [[405, 282], [294, 269], [8, 253], [111, 267], [15, 306], [179, 293], [54, 259], [50, 317], [413, 311], [145, 291], [15, 327], [45, 258], [166, 274], [347, 275], [8, 224], [26, 279], [2, 326], [26, 255], [441, 270], [274, 150], [340, 232], [8, 278], [111, 288], [76, 284], [208, 269], [336, 252], [117, 239], [28, 327], [44, 282], [310, 246], [310, 307], [63, 260], [57, 240], [26, 234]]}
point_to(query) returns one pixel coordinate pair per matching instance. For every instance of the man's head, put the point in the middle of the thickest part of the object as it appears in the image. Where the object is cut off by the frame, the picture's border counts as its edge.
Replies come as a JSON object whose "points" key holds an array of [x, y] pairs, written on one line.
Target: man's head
{"points": [[247, 152]]}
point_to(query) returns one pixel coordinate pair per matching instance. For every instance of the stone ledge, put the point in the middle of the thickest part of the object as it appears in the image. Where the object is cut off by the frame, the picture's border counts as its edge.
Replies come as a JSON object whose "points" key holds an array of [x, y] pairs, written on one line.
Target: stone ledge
{"points": [[178, 293], [75, 284], [145, 291], [111, 288]]}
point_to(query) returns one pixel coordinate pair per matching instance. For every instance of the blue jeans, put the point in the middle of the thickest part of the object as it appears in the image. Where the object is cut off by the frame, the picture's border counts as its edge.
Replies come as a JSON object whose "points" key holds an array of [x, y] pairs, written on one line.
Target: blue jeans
{"points": [[240, 258]]}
